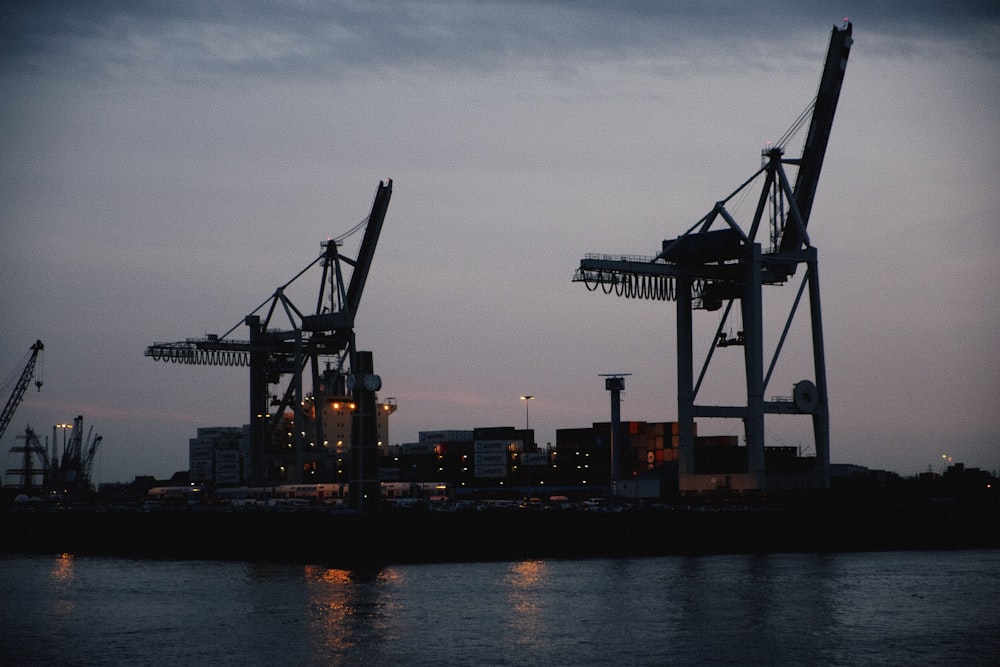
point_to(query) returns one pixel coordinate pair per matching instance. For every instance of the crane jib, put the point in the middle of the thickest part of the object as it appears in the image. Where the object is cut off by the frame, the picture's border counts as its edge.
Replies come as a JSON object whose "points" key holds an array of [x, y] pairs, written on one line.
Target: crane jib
{"points": [[22, 385], [814, 151]]}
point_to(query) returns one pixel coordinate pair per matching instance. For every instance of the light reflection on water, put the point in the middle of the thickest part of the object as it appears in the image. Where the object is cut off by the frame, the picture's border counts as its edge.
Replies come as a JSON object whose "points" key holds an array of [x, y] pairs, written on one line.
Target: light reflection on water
{"points": [[61, 576], [62, 568], [525, 583], [347, 615], [835, 609]]}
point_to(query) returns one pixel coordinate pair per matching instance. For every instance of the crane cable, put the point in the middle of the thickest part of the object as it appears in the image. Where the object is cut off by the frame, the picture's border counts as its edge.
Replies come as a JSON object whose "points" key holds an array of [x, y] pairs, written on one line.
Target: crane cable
{"points": [[796, 125], [631, 285], [352, 230], [196, 357]]}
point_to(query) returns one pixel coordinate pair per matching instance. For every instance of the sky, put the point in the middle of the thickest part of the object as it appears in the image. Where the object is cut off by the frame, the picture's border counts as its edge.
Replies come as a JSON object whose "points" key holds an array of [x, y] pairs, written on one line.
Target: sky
{"points": [[166, 166]]}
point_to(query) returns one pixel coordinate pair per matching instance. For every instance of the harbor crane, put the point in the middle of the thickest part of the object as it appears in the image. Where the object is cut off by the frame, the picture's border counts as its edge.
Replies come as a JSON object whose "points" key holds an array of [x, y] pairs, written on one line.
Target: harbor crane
{"points": [[65, 475], [21, 386], [309, 340], [718, 262], [72, 472]]}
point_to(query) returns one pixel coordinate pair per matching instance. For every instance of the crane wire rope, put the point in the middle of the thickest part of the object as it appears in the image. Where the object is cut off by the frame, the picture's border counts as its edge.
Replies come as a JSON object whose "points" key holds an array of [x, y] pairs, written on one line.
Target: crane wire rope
{"points": [[353, 230], [797, 124], [201, 357], [740, 199], [636, 285], [196, 357], [270, 299]]}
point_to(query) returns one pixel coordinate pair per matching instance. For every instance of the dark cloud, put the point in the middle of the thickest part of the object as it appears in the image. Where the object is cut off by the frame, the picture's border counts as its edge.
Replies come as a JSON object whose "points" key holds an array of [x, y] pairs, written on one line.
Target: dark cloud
{"points": [[316, 39]]}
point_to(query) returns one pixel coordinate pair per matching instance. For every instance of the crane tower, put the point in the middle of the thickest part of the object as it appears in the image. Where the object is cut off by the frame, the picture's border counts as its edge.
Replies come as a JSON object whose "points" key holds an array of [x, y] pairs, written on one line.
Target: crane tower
{"points": [[718, 262], [318, 345]]}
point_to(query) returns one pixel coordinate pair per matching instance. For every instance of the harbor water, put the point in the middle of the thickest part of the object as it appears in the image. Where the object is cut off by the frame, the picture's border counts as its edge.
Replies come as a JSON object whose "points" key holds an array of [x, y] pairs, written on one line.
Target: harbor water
{"points": [[890, 608]]}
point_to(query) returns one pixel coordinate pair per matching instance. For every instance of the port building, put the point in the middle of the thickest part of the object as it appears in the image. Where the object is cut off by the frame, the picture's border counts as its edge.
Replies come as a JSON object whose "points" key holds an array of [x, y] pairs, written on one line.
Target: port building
{"points": [[505, 458], [223, 455]]}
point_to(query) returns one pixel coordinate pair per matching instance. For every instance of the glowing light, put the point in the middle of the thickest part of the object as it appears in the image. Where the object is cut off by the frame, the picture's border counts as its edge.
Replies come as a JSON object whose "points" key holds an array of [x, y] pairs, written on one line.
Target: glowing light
{"points": [[63, 569]]}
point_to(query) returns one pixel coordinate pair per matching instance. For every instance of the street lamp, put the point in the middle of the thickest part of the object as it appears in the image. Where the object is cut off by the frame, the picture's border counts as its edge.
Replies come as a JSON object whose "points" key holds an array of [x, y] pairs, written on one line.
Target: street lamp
{"points": [[55, 445], [64, 427], [527, 398]]}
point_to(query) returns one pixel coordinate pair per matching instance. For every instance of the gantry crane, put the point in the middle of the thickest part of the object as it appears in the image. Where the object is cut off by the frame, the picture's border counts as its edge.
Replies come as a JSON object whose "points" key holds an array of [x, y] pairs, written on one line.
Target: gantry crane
{"points": [[325, 336], [716, 262], [17, 395]]}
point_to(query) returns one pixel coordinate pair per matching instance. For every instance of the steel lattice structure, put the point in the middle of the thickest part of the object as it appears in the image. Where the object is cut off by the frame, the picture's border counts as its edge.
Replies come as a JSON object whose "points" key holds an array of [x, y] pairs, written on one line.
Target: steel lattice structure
{"points": [[717, 262], [319, 345]]}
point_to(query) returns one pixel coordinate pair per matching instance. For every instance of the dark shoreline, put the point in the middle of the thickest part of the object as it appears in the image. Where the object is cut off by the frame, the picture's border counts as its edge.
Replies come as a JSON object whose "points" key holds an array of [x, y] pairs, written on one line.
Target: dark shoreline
{"points": [[399, 537]]}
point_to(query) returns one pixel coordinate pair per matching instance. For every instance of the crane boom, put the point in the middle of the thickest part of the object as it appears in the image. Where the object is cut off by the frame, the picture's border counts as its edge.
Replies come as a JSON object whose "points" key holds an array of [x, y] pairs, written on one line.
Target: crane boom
{"points": [[811, 162], [21, 387], [87, 461], [367, 250]]}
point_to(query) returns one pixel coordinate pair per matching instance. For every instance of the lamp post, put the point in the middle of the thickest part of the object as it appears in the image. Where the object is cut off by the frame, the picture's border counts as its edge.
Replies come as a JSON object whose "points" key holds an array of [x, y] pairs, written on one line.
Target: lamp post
{"points": [[64, 428], [527, 398]]}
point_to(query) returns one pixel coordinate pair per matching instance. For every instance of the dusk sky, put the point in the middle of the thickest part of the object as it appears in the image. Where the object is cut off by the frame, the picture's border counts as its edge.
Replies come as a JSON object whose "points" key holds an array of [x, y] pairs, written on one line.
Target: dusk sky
{"points": [[166, 166]]}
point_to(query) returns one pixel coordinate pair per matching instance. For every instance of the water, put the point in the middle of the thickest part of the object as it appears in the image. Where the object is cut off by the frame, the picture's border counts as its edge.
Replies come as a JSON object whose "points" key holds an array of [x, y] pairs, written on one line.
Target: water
{"points": [[912, 608]]}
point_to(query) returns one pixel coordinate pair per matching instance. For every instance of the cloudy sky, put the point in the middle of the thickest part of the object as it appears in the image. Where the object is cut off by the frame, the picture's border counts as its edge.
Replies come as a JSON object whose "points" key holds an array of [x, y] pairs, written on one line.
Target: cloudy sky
{"points": [[167, 165]]}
